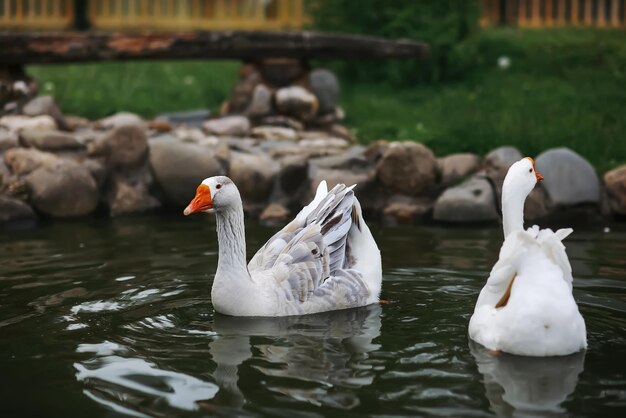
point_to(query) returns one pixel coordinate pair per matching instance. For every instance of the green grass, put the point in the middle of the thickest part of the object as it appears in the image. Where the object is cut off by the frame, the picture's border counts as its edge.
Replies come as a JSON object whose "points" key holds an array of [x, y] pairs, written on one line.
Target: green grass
{"points": [[146, 88], [563, 88]]}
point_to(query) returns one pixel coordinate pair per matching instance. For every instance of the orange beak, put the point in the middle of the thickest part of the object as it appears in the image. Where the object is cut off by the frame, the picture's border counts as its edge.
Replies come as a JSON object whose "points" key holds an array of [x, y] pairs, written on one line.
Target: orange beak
{"points": [[538, 176], [201, 202]]}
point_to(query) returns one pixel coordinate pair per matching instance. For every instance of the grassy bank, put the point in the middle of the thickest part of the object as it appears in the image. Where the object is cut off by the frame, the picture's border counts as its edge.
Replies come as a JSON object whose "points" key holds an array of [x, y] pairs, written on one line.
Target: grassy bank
{"points": [[563, 87]]}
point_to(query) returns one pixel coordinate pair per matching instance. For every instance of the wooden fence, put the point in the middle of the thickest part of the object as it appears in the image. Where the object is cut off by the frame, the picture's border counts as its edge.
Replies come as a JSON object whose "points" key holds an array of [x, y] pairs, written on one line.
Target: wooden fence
{"points": [[36, 14], [156, 14], [549, 13]]}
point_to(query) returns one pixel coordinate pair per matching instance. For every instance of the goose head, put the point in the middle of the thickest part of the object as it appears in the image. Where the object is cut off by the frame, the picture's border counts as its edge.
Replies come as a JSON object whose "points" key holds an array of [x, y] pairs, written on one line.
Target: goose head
{"points": [[214, 194], [518, 183], [522, 177]]}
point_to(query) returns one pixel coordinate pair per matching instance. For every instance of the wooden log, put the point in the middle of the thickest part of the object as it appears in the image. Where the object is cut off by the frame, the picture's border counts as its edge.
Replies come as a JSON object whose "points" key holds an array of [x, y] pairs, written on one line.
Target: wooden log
{"points": [[60, 47]]}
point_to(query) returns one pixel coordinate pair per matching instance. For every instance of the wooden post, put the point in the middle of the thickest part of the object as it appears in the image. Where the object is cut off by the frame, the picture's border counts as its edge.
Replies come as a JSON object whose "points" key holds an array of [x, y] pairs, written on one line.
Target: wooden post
{"points": [[575, 13], [561, 13], [588, 12], [601, 20], [536, 13], [615, 13], [549, 19], [522, 17]]}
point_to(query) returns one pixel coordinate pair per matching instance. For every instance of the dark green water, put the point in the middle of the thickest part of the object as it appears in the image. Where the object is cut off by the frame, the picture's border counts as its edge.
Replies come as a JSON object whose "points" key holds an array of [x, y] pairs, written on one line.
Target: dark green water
{"points": [[114, 318]]}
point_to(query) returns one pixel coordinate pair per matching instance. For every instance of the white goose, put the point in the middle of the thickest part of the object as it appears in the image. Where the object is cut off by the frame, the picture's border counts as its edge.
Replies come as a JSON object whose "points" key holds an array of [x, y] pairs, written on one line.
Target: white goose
{"points": [[325, 259], [527, 307]]}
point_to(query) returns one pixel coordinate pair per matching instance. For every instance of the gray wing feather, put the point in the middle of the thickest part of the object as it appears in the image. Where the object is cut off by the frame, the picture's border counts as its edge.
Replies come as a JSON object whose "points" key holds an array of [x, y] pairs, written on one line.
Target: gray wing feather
{"points": [[305, 254]]}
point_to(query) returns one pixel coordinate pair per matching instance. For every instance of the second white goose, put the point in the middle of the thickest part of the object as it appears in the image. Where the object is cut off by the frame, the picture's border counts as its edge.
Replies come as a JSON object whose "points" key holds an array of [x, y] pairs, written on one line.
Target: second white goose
{"points": [[527, 307]]}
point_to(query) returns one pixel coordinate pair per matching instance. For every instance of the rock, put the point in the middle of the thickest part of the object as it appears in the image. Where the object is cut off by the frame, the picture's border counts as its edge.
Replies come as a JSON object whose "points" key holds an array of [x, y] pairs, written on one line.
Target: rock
{"points": [[536, 206], [324, 143], [97, 170], [193, 118], [281, 72], [15, 123], [189, 134], [344, 168], [129, 194], [8, 140], [615, 181], [293, 173], [282, 121], [242, 91], [260, 103], [62, 189], [124, 147], [407, 168], [275, 213], [121, 119], [500, 159], [274, 133], [456, 166], [253, 174], [325, 87], [296, 101], [341, 131], [406, 210], [49, 140], [45, 105], [15, 210], [22, 161], [179, 168], [74, 122], [569, 179], [228, 126], [471, 201]]}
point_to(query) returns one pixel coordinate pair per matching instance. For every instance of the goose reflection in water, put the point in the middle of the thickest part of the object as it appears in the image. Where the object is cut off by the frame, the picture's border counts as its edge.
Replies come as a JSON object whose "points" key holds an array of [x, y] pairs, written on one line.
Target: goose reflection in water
{"points": [[518, 386], [326, 351], [320, 359]]}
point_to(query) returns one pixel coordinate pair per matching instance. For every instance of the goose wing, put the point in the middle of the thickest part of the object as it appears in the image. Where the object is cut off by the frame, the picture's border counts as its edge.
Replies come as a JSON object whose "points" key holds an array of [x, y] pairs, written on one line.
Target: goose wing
{"points": [[312, 248]]}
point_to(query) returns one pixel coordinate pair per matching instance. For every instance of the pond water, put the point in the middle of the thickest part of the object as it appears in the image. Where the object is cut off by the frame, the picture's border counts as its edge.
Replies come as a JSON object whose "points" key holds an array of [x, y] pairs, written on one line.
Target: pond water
{"points": [[114, 318]]}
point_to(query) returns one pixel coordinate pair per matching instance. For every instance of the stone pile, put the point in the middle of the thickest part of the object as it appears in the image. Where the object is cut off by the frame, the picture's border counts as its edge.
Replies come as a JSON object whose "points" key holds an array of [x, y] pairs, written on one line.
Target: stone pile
{"points": [[56, 166]]}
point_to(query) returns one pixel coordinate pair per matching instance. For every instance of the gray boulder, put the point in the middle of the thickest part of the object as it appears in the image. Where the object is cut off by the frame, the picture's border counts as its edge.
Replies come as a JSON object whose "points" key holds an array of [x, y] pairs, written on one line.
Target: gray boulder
{"points": [[471, 201], [282, 121], [325, 86], [130, 194], [15, 210], [62, 189], [293, 173], [275, 214], [49, 140], [405, 209], [179, 167], [22, 161], [260, 103], [407, 168], [253, 174], [15, 123], [500, 159], [121, 119], [228, 126], [274, 133], [193, 118], [8, 140], [45, 105], [615, 181], [124, 147], [569, 179], [296, 101], [456, 166]]}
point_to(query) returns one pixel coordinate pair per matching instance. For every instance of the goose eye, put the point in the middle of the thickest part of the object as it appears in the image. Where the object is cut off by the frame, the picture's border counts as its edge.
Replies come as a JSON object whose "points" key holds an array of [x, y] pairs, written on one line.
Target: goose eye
{"points": [[530, 170], [218, 186]]}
